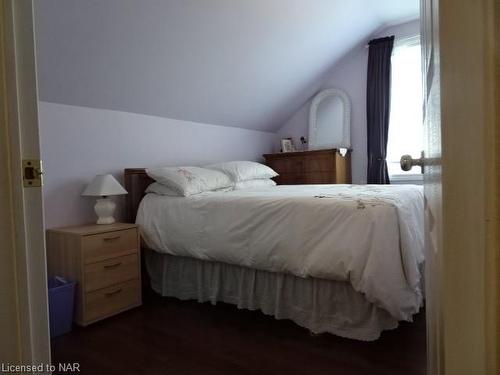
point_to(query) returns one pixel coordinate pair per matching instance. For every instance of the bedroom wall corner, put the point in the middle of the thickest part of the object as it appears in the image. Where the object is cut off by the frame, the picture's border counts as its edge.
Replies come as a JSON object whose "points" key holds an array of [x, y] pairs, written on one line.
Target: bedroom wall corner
{"points": [[348, 74], [80, 142]]}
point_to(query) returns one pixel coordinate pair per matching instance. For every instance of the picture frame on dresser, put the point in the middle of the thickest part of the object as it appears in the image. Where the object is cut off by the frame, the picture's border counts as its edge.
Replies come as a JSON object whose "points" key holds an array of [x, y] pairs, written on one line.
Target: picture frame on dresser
{"points": [[287, 145]]}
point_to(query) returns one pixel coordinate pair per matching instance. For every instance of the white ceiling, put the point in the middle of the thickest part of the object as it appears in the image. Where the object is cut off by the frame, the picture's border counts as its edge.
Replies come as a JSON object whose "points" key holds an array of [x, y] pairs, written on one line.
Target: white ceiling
{"points": [[394, 11], [245, 63]]}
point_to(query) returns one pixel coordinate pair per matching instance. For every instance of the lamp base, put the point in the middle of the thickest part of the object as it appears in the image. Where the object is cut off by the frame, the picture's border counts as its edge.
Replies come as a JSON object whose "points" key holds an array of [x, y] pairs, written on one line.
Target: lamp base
{"points": [[104, 209]]}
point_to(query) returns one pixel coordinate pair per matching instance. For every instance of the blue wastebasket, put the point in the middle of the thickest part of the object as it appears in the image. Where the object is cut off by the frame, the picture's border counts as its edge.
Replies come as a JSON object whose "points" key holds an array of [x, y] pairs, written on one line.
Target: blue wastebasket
{"points": [[61, 298]]}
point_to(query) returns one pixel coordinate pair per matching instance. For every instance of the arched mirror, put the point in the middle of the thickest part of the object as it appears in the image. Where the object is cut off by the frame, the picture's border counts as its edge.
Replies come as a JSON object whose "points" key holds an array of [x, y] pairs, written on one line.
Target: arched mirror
{"points": [[330, 120]]}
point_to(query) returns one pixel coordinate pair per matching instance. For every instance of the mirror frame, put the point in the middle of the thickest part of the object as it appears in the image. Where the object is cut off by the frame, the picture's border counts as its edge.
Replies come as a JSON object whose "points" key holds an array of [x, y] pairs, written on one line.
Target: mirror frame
{"points": [[313, 121]]}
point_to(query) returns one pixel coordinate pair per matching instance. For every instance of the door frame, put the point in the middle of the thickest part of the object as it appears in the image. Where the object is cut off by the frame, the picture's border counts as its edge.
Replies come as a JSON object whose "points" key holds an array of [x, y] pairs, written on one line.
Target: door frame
{"points": [[25, 240]]}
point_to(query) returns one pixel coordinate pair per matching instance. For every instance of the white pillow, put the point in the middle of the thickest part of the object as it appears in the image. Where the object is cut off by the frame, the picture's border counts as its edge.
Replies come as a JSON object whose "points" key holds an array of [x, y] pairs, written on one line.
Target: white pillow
{"points": [[244, 170], [160, 189], [252, 184], [187, 181]]}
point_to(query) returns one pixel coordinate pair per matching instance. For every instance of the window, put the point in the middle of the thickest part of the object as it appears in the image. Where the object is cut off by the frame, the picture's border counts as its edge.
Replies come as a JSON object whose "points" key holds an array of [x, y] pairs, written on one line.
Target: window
{"points": [[406, 117]]}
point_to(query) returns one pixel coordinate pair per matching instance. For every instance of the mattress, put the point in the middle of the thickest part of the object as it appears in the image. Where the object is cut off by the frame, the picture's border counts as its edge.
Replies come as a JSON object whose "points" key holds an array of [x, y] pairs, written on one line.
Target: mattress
{"points": [[369, 236]]}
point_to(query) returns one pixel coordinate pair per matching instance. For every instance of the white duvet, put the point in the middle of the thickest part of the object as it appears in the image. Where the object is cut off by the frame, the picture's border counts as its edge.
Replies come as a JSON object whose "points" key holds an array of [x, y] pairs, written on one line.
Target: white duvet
{"points": [[368, 235]]}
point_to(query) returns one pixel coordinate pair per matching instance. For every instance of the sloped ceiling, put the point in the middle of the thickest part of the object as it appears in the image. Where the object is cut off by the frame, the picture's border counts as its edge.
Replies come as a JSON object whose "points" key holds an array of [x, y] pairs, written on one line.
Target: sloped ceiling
{"points": [[242, 63]]}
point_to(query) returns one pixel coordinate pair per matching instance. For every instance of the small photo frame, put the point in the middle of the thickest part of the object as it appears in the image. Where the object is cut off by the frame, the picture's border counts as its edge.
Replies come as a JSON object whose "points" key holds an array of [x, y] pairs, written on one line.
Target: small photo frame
{"points": [[287, 145]]}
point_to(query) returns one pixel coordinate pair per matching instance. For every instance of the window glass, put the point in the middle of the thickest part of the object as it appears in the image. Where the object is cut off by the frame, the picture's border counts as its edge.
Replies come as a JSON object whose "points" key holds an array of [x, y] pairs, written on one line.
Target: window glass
{"points": [[406, 118]]}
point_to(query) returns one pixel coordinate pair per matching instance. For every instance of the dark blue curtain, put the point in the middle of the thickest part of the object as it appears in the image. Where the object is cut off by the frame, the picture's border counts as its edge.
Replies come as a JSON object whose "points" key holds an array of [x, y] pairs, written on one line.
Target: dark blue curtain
{"points": [[378, 100]]}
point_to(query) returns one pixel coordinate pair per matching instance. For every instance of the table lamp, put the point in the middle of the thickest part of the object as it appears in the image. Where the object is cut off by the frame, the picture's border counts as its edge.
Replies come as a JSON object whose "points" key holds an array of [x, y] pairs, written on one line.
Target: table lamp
{"points": [[104, 185]]}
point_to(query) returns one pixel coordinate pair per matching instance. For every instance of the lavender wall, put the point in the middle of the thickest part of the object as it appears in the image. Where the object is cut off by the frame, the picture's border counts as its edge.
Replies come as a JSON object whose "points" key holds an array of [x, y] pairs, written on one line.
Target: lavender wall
{"points": [[349, 74], [80, 142]]}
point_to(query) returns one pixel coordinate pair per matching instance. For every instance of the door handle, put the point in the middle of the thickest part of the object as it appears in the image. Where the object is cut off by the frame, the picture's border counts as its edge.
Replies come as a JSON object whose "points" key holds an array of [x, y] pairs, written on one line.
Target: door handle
{"points": [[407, 162]]}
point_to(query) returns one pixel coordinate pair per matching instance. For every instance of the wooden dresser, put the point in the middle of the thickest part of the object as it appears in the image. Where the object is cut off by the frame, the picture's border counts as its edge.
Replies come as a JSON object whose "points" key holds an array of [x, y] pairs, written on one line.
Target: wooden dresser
{"points": [[311, 167], [104, 260]]}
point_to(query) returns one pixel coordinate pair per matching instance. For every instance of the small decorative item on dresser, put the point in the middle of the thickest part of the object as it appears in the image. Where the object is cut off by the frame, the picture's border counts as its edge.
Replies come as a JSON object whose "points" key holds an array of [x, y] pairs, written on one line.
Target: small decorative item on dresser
{"points": [[287, 145], [303, 142], [104, 185], [105, 263]]}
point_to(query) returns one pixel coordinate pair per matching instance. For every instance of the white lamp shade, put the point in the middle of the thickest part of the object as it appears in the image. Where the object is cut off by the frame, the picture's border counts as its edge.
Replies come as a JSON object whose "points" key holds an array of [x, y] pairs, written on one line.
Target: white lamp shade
{"points": [[104, 185]]}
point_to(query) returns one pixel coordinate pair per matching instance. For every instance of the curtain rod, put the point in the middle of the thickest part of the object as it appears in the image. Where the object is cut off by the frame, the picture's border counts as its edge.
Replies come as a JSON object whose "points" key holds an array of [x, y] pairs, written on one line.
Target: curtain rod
{"points": [[400, 40]]}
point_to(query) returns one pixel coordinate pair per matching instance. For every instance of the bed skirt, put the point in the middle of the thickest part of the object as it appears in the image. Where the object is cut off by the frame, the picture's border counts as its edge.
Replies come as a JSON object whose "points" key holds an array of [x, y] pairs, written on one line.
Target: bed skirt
{"points": [[316, 304]]}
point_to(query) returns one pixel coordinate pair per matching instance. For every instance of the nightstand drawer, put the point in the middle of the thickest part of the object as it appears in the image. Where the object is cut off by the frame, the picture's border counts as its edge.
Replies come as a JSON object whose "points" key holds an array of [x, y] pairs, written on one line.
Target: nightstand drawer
{"points": [[102, 246], [111, 271], [111, 300]]}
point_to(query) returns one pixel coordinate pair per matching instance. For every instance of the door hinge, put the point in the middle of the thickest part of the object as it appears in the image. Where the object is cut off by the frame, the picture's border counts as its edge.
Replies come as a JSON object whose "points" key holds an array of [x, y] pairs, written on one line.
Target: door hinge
{"points": [[32, 173]]}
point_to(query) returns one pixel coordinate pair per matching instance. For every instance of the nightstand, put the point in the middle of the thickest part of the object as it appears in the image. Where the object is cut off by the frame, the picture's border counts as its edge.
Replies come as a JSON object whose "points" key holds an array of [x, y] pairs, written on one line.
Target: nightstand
{"points": [[104, 260]]}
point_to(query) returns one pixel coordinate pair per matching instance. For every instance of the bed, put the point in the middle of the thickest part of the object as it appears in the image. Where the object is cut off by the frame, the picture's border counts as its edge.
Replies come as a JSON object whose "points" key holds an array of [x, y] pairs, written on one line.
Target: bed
{"points": [[342, 259]]}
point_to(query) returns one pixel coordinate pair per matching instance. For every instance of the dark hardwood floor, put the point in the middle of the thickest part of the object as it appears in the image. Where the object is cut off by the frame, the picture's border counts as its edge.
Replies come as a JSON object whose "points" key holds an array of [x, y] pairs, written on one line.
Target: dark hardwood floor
{"points": [[168, 336]]}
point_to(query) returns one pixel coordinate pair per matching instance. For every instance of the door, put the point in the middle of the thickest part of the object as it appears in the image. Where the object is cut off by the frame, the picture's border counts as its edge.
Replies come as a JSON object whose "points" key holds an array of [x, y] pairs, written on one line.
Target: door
{"points": [[459, 188], [23, 298]]}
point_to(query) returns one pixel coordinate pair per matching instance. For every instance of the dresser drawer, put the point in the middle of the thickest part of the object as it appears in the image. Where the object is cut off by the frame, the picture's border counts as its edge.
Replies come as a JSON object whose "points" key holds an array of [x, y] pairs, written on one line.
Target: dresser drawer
{"points": [[319, 163], [291, 179], [293, 164], [111, 271], [111, 300], [102, 246], [319, 177]]}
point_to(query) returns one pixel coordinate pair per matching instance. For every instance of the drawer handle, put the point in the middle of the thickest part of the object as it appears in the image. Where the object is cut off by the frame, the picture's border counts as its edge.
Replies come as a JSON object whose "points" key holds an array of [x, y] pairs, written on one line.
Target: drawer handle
{"points": [[111, 238], [111, 266], [111, 294]]}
